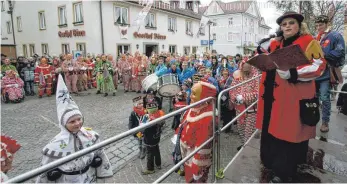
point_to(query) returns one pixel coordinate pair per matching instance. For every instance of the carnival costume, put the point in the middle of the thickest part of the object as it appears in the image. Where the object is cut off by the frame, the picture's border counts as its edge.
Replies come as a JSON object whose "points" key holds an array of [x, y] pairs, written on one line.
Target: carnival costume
{"points": [[85, 169], [135, 120], [71, 69], [8, 148], [284, 136], [243, 96], [197, 128], [12, 87]]}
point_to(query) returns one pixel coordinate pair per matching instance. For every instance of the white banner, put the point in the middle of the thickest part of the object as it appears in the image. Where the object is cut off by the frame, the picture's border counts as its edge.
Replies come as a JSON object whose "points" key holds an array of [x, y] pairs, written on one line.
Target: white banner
{"points": [[140, 19], [203, 23], [123, 32]]}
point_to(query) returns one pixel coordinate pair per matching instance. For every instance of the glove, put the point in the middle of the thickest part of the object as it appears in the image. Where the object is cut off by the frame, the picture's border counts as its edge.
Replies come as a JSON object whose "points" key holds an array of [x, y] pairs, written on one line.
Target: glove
{"points": [[15, 85], [283, 74], [133, 76], [239, 99]]}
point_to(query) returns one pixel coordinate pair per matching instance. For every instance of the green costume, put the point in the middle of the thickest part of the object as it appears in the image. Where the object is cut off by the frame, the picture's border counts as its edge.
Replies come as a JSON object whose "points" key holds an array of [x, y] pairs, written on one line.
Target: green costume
{"points": [[152, 68], [4, 68], [104, 78]]}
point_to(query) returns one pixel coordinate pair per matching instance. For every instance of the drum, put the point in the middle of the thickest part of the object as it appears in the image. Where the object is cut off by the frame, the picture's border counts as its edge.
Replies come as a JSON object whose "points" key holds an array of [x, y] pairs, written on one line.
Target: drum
{"points": [[150, 82], [168, 85]]}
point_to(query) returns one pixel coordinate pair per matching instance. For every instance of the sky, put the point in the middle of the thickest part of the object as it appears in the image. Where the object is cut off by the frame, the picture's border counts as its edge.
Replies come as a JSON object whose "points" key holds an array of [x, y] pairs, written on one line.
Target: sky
{"points": [[267, 10]]}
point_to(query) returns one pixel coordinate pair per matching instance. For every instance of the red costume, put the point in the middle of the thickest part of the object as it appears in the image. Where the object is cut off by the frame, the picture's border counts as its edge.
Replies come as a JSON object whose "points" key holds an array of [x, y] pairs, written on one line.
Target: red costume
{"points": [[125, 70], [285, 123], [241, 97], [196, 131], [284, 138], [44, 75], [90, 70]]}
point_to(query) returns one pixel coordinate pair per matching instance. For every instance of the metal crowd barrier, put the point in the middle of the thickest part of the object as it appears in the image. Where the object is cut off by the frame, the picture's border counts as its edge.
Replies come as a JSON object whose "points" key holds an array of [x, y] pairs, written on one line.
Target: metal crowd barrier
{"points": [[220, 130], [343, 92], [57, 163]]}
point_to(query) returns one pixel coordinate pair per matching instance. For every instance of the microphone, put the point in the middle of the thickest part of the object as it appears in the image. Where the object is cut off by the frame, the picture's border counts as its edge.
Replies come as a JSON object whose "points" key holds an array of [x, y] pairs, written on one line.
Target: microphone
{"points": [[278, 33]]}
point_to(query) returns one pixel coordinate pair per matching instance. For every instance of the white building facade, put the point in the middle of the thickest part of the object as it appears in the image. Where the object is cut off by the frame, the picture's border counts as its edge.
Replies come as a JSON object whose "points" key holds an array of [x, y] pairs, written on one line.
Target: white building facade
{"points": [[95, 27], [237, 26]]}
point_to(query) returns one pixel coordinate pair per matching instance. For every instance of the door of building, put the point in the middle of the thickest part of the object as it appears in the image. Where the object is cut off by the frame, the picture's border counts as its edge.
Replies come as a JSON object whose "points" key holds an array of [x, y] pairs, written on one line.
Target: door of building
{"points": [[149, 48]]}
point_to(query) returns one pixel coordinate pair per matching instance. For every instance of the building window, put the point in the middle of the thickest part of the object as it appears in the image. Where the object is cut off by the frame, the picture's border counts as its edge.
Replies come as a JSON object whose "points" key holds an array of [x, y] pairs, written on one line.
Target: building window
{"points": [[230, 36], [172, 49], [252, 26], [62, 15], [42, 20], [19, 24], [2, 6], [78, 13], [121, 15], [123, 49], [230, 21], [214, 36], [9, 27], [65, 48], [186, 50], [214, 22], [81, 47], [150, 20], [32, 49], [189, 28], [44, 48], [194, 49], [202, 31], [172, 24], [25, 51], [245, 36]]}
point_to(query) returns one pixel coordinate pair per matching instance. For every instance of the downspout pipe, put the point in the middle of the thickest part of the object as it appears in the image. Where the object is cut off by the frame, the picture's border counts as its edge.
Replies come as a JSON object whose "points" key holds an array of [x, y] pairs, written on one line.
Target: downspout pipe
{"points": [[102, 28]]}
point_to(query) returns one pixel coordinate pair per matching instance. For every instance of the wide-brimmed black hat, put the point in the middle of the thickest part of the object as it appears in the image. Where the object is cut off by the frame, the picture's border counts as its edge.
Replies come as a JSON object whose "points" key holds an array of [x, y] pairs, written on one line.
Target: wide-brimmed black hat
{"points": [[290, 14], [322, 19]]}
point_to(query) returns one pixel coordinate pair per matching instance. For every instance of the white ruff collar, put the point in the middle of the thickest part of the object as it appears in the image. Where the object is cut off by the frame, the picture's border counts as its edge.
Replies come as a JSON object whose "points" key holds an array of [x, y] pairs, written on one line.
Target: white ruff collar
{"points": [[191, 119]]}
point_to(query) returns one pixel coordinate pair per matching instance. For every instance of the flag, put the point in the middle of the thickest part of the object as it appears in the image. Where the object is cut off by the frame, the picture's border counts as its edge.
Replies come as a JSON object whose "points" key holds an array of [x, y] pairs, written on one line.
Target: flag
{"points": [[143, 14], [123, 32], [203, 23]]}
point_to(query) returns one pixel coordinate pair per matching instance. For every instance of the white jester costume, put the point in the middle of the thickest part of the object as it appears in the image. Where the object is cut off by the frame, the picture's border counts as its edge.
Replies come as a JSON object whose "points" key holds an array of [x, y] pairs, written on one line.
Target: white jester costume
{"points": [[84, 169]]}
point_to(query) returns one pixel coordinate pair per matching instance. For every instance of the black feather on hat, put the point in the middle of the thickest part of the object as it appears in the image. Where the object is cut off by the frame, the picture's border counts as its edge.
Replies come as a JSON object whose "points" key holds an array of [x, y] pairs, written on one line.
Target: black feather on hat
{"points": [[290, 14]]}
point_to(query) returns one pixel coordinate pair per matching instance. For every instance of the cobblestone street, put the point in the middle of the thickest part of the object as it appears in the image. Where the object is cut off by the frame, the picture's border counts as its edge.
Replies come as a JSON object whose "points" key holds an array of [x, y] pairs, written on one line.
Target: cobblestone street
{"points": [[34, 123]]}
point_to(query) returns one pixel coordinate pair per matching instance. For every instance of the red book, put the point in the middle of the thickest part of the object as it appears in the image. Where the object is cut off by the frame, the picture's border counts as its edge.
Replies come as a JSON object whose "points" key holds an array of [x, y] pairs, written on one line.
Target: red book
{"points": [[283, 59]]}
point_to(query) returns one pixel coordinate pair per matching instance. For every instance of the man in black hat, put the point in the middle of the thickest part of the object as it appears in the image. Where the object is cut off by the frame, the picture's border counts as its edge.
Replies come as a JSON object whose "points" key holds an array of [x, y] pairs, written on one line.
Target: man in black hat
{"points": [[333, 46]]}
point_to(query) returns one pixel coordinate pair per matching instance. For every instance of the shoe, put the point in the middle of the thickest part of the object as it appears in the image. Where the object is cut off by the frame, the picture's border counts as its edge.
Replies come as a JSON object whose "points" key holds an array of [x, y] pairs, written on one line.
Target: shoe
{"points": [[27, 93], [32, 93], [138, 91], [48, 95], [114, 94], [324, 127], [181, 173], [125, 91], [98, 92], [158, 167], [105, 95], [146, 172], [40, 96], [276, 179], [238, 148]]}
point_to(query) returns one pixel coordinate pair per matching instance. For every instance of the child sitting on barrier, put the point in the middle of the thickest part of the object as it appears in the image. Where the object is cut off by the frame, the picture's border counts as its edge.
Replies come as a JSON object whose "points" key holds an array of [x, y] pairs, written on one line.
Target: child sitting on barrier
{"points": [[152, 138], [72, 138]]}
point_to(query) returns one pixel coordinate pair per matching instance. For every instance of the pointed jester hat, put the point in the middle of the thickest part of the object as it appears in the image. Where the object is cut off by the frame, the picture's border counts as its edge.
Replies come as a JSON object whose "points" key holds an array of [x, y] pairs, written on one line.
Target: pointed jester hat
{"points": [[66, 106]]}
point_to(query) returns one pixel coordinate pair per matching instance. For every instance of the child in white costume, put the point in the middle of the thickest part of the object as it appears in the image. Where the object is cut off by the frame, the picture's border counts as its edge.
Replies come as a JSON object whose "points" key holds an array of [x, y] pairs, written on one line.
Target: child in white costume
{"points": [[72, 138]]}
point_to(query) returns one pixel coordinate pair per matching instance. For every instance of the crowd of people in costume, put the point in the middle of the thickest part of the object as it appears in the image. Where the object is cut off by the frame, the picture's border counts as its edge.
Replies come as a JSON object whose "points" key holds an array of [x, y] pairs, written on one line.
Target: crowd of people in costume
{"points": [[286, 99]]}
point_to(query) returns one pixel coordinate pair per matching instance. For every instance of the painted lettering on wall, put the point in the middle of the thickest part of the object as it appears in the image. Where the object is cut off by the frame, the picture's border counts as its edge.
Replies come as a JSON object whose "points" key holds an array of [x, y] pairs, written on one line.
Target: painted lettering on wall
{"points": [[149, 36], [70, 33]]}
